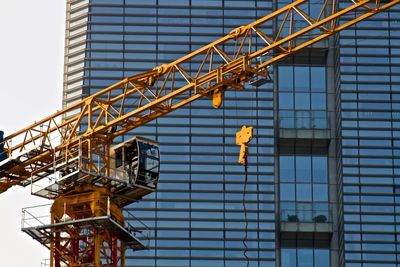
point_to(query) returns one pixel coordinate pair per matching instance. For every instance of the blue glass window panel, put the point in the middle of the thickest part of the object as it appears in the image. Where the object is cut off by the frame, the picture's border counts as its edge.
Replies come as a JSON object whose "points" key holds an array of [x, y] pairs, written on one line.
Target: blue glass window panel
{"points": [[379, 237], [174, 263], [318, 101], [287, 169], [302, 101], [173, 3], [305, 211], [320, 169], [287, 119], [303, 119], [315, 8], [108, 28], [303, 169], [320, 192], [318, 79], [321, 258], [289, 206], [377, 228], [172, 12], [301, 79], [107, 1], [319, 123], [286, 78], [288, 256], [106, 64], [379, 247], [286, 101], [110, 10], [287, 192], [321, 209], [303, 192], [106, 55], [107, 46], [206, 3], [379, 257], [305, 257]]}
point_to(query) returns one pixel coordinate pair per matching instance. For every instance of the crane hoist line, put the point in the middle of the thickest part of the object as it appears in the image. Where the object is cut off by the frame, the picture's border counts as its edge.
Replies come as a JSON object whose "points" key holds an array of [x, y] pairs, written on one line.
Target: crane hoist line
{"points": [[73, 150]]}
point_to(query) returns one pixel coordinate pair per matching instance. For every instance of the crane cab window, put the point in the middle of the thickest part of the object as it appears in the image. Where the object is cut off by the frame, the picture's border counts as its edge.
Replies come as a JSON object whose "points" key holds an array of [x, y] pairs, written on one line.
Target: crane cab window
{"points": [[149, 164], [118, 158], [137, 162]]}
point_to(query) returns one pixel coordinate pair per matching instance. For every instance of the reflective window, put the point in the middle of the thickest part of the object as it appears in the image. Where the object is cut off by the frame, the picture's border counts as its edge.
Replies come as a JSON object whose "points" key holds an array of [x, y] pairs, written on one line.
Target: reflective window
{"points": [[368, 147], [302, 96], [304, 253], [304, 188]]}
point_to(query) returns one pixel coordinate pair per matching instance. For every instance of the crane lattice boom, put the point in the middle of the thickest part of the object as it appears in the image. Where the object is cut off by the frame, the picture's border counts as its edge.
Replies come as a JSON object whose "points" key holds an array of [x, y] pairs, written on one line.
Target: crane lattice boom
{"points": [[224, 64]]}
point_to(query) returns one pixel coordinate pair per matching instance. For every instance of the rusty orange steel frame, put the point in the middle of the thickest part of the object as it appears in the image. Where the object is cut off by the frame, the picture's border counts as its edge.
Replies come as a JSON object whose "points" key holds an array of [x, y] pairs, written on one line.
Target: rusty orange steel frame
{"points": [[224, 64]]}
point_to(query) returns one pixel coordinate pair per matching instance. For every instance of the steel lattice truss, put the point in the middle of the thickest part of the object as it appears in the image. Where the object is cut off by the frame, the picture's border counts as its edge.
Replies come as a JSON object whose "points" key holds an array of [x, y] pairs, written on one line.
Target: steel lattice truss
{"points": [[244, 54]]}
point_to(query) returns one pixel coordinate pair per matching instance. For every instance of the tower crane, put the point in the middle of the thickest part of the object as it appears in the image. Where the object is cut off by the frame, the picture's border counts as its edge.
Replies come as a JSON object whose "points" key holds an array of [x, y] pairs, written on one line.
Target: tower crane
{"points": [[69, 156]]}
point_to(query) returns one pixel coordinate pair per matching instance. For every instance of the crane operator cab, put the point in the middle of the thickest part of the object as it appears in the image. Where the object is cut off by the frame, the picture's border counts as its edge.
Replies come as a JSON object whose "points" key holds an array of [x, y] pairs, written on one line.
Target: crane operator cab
{"points": [[136, 162]]}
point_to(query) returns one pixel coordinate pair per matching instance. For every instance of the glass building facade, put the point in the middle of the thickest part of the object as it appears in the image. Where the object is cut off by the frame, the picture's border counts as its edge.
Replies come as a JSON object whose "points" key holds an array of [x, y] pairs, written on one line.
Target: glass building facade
{"points": [[323, 183], [368, 119]]}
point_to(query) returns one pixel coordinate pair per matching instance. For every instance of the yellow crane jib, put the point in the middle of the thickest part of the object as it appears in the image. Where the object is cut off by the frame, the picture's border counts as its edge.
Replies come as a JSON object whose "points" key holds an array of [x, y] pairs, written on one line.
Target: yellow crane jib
{"points": [[243, 138]]}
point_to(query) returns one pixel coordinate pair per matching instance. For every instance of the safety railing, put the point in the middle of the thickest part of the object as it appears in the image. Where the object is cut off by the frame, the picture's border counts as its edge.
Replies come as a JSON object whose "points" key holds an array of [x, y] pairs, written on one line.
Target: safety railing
{"points": [[303, 120], [306, 212], [37, 216], [40, 215], [45, 263], [63, 171], [136, 227]]}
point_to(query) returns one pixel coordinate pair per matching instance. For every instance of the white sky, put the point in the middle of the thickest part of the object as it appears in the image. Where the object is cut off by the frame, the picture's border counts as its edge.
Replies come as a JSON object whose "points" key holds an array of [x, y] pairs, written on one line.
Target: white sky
{"points": [[31, 69]]}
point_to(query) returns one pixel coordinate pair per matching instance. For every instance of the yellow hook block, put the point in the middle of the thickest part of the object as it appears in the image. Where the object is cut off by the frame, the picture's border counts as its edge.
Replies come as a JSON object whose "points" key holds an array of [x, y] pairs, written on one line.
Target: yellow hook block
{"points": [[243, 137]]}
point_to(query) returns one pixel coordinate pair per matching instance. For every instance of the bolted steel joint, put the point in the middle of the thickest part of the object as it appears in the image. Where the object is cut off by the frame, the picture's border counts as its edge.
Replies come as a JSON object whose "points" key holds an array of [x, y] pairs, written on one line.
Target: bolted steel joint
{"points": [[238, 31], [161, 69]]}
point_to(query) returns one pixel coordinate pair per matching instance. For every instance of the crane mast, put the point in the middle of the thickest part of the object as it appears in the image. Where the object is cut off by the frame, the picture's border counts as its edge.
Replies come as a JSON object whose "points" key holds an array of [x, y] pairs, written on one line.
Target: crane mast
{"points": [[68, 156]]}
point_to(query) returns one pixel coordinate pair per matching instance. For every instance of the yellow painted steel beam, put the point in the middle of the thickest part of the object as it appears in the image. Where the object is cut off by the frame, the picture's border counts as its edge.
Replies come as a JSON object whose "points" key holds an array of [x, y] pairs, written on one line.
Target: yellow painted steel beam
{"points": [[224, 64]]}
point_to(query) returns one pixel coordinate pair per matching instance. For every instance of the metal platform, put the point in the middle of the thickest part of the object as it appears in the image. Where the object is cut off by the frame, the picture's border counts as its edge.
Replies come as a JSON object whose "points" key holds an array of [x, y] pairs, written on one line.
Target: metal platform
{"points": [[21, 157], [108, 222], [125, 193], [258, 81], [44, 233], [52, 187]]}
